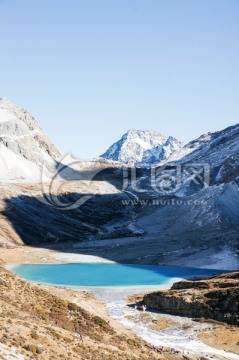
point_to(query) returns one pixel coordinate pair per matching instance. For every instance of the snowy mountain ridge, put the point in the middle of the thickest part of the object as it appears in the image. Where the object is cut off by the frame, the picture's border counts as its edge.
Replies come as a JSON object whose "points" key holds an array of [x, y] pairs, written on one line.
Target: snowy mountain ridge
{"points": [[142, 147], [28, 155], [214, 148], [24, 147], [19, 131]]}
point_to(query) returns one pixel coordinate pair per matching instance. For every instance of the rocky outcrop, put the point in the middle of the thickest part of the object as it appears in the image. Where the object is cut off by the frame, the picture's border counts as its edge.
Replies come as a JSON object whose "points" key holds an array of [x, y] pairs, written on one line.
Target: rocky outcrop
{"points": [[215, 298]]}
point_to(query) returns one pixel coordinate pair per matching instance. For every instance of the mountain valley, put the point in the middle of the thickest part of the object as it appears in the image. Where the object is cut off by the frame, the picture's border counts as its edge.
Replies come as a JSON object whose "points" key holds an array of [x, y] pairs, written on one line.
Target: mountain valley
{"points": [[149, 200]]}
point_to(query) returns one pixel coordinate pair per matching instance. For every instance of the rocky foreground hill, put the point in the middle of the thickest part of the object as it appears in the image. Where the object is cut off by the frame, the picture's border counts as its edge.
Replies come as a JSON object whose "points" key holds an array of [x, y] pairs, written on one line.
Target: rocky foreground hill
{"points": [[38, 324], [215, 298]]}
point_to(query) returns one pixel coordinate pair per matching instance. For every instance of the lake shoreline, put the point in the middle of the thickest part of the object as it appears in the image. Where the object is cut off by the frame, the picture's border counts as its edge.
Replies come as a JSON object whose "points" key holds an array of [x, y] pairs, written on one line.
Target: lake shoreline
{"points": [[103, 251], [107, 297]]}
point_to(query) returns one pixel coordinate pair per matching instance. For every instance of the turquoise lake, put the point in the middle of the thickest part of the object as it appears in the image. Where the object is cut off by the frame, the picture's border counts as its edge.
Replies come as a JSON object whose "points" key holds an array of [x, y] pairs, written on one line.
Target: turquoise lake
{"points": [[105, 274]]}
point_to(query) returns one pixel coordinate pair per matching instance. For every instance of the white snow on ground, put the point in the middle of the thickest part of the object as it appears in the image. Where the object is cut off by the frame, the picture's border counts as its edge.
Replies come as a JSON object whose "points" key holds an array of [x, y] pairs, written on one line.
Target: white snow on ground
{"points": [[226, 259], [5, 116], [181, 337], [7, 353], [14, 167], [79, 258]]}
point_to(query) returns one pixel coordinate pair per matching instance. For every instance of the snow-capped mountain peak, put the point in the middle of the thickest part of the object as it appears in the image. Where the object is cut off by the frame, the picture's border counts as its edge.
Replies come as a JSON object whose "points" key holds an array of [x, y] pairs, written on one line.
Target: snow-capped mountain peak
{"points": [[24, 147], [142, 147]]}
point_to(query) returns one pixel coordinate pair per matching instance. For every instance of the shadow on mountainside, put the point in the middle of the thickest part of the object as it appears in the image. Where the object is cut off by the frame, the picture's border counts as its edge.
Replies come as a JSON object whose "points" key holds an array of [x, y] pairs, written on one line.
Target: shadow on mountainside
{"points": [[99, 171], [39, 223], [109, 225], [104, 226]]}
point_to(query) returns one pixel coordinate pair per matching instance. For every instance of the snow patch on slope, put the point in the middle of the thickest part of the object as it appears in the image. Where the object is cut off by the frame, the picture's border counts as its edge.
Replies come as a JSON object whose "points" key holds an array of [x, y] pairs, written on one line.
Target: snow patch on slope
{"points": [[7, 353], [15, 168]]}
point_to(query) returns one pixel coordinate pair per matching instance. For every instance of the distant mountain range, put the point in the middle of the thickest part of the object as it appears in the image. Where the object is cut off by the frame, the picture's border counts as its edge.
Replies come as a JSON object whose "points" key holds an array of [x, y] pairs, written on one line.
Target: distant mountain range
{"points": [[142, 147], [201, 230], [24, 147]]}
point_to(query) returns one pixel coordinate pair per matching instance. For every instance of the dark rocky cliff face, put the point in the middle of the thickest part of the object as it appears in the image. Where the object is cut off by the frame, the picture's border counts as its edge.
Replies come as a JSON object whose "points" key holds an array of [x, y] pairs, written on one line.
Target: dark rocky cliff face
{"points": [[215, 298]]}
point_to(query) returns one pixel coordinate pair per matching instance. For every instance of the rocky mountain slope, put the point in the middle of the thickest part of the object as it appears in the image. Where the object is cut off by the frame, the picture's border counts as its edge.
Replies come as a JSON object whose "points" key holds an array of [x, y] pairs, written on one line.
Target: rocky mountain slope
{"points": [[216, 298], [24, 147], [142, 147], [220, 150]]}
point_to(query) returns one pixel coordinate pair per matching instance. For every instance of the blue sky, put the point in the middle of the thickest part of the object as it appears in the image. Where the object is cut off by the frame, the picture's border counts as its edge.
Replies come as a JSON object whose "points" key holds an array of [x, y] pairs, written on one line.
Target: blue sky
{"points": [[90, 70]]}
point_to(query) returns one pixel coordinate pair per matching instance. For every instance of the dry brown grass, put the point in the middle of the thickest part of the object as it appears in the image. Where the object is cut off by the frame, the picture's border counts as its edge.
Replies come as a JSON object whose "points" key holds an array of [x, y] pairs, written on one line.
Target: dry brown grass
{"points": [[224, 337], [44, 326]]}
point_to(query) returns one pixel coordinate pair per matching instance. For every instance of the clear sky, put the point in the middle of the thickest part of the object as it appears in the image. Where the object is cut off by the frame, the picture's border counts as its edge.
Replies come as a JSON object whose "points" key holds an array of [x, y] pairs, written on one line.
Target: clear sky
{"points": [[89, 70]]}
